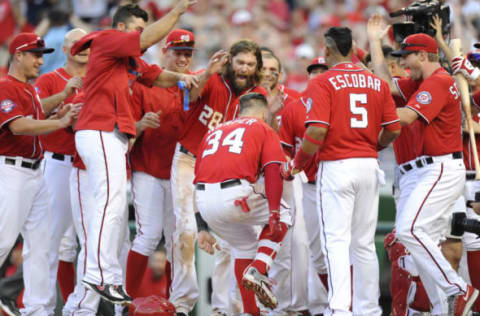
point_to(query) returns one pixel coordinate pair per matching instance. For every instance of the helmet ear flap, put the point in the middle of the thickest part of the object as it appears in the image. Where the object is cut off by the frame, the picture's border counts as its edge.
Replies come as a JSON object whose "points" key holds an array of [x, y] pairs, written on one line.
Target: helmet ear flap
{"points": [[151, 306]]}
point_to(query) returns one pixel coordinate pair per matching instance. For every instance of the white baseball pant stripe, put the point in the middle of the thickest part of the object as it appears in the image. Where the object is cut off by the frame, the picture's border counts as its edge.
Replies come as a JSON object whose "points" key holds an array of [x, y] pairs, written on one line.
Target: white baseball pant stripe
{"points": [[57, 178], [184, 291], [103, 154], [347, 192], [153, 212], [218, 209], [24, 209], [424, 218], [81, 302]]}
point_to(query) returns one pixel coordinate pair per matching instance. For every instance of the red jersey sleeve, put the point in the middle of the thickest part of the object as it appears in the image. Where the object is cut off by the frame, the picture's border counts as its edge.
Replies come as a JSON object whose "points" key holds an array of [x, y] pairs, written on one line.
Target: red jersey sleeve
{"points": [[119, 44], [429, 99], [272, 150], [390, 120], [285, 132], [317, 99], [10, 108], [147, 73]]}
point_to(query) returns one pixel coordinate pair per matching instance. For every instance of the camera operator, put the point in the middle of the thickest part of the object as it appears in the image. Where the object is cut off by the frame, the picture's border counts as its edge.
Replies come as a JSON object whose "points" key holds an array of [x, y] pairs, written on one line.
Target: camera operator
{"points": [[422, 219]]}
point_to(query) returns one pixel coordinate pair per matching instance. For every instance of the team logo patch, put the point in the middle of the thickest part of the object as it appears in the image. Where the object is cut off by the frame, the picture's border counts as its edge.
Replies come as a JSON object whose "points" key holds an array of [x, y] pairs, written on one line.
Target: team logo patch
{"points": [[424, 97], [185, 38], [307, 104], [6, 106]]}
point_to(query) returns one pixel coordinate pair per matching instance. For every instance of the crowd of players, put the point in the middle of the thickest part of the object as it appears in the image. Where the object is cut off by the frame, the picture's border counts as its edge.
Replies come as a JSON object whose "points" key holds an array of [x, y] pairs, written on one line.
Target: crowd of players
{"points": [[280, 185]]}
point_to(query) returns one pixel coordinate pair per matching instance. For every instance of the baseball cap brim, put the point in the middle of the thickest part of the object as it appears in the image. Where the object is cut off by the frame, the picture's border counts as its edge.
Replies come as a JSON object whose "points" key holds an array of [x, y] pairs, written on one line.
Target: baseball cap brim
{"points": [[311, 67], [401, 52], [181, 48], [44, 50]]}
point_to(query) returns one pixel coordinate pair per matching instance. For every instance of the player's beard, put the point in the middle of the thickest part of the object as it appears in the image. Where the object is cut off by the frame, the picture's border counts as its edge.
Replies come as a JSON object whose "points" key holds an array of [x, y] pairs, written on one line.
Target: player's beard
{"points": [[238, 89]]}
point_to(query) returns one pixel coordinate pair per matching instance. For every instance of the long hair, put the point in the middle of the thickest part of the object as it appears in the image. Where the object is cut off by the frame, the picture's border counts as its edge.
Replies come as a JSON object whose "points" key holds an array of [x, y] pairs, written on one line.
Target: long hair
{"points": [[246, 46]]}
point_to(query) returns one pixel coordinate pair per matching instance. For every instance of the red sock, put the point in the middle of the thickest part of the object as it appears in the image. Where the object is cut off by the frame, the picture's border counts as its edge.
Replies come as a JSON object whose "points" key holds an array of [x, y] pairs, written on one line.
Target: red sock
{"points": [[324, 279], [168, 273], [248, 296], [136, 265], [473, 261], [267, 249], [66, 278]]}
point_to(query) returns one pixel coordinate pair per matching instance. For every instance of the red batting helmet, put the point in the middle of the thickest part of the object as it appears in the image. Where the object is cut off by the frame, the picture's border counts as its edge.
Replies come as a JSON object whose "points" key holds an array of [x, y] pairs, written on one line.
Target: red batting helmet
{"points": [[151, 306]]}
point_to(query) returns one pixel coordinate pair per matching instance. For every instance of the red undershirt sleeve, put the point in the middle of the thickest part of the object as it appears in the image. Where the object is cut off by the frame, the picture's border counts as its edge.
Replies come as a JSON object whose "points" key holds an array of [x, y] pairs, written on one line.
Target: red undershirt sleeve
{"points": [[273, 185]]}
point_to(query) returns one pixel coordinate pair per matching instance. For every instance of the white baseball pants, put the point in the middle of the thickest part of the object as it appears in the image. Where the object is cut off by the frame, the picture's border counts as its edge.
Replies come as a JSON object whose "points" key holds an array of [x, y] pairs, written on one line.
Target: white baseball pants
{"points": [[423, 218], [153, 213], [57, 179], [184, 291], [347, 193], [24, 209], [103, 154]]}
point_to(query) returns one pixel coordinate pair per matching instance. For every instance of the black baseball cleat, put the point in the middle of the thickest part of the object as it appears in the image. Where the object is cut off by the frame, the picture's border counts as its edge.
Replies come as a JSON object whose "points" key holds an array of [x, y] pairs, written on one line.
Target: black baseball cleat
{"points": [[9, 306], [109, 292], [180, 314]]}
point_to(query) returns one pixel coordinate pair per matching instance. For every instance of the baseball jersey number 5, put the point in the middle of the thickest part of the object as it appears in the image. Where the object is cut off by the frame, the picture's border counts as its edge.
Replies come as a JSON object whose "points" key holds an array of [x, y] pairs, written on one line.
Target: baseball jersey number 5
{"points": [[358, 110], [209, 117], [233, 140]]}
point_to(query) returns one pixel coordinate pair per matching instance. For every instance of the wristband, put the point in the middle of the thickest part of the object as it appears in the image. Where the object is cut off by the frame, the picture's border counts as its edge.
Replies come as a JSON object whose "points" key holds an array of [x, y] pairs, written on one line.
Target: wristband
{"points": [[201, 224], [182, 86], [312, 140]]}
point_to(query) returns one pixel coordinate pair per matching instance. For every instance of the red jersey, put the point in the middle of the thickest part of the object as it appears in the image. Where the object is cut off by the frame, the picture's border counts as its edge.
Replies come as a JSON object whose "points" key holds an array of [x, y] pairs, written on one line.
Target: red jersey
{"points": [[153, 150], [354, 104], [238, 149], [107, 99], [408, 145], [217, 104], [289, 96], [292, 130], [19, 99], [61, 141], [437, 102]]}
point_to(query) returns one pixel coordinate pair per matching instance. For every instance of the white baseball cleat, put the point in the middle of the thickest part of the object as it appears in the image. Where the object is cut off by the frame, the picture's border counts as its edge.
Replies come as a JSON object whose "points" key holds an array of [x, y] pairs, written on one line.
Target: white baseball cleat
{"points": [[260, 284]]}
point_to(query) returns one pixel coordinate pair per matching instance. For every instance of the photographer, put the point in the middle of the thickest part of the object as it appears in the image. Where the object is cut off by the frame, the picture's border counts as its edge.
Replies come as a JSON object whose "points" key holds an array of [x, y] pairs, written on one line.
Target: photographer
{"points": [[422, 217]]}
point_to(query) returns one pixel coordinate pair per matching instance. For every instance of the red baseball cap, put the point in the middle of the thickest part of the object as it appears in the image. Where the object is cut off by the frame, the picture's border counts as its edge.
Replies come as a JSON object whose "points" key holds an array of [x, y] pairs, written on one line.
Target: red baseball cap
{"points": [[416, 43], [28, 42], [317, 62], [180, 39]]}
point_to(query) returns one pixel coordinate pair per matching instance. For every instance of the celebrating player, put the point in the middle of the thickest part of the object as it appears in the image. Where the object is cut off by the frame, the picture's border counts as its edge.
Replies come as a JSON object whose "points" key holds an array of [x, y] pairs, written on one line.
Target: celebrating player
{"points": [[24, 196], [346, 110], [231, 203], [104, 126], [218, 103]]}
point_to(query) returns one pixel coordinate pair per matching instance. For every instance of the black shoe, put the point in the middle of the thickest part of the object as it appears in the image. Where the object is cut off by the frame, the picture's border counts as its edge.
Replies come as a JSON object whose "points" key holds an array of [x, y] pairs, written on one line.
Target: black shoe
{"points": [[9, 306], [181, 314], [110, 292]]}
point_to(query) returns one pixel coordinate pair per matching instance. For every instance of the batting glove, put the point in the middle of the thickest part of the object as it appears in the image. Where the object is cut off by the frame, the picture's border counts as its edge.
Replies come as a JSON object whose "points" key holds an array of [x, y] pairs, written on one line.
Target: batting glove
{"points": [[276, 230], [463, 66], [286, 170]]}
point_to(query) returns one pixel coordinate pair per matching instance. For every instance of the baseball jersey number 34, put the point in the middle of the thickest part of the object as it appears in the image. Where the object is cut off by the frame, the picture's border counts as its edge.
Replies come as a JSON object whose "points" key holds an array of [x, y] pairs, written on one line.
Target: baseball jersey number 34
{"points": [[355, 100], [233, 140]]}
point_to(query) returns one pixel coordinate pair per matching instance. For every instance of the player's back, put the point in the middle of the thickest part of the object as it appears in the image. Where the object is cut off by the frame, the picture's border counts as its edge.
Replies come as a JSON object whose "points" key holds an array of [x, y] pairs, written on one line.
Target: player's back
{"points": [[354, 104], [237, 150]]}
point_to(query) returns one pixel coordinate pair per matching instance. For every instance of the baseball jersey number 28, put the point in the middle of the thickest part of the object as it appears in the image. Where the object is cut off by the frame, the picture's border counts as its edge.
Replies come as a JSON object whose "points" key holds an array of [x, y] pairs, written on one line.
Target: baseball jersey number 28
{"points": [[233, 140], [210, 118], [355, 99]]}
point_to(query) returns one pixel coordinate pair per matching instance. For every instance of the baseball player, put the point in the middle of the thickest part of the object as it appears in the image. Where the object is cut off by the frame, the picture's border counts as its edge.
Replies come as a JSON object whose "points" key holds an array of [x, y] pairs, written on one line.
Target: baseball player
{"points": [[246, 146], [440, 173], [350, 112], [60, 86], [24, 197], [151, 157], [291, 134], [218, 103], [105, 125]]}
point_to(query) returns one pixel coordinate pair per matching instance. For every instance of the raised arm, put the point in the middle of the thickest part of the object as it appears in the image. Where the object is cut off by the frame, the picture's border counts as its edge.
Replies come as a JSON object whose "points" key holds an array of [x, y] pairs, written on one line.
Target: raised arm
{"points": [[159, 29], [437, 26], [376, 31]]}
